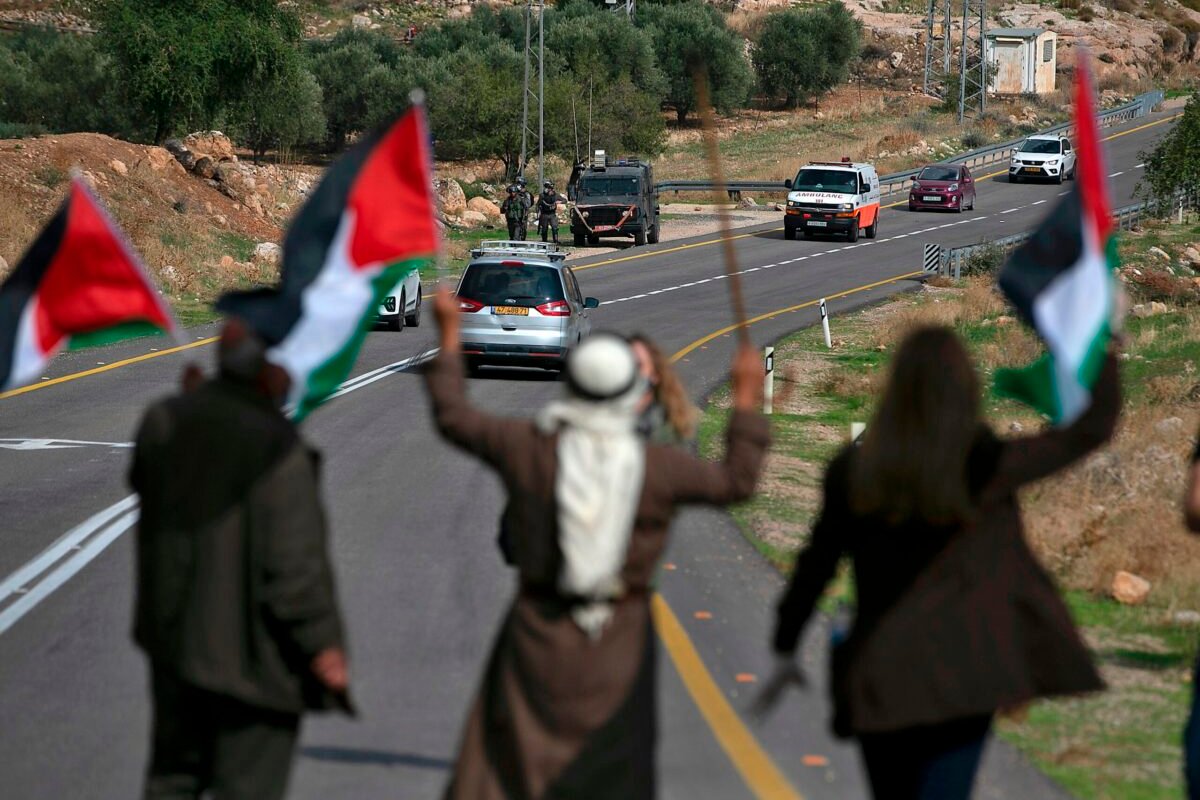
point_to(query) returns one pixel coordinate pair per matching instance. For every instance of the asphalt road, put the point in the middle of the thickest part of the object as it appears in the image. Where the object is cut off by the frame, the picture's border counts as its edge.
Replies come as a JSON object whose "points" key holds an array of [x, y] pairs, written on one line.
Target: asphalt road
{"points": [[422, 584]]}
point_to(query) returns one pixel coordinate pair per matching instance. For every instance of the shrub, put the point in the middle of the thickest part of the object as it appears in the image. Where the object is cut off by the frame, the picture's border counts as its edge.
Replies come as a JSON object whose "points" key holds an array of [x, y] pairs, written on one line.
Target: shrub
{"points": [[691, 34], [1086, 14], [986, 260], [1174, 164], [801, 54], [180, 68], [57, 82], [280, 112], [973, 140]]}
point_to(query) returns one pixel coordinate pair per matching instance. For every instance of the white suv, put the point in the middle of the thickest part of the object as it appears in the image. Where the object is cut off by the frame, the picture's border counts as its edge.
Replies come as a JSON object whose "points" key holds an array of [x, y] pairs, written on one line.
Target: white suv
{"points": [[1046, 155]]}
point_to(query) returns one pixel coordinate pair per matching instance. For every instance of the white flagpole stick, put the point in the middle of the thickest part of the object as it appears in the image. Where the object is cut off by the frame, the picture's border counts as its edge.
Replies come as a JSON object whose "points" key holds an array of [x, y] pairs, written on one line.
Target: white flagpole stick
{"points": [[769, 380]]}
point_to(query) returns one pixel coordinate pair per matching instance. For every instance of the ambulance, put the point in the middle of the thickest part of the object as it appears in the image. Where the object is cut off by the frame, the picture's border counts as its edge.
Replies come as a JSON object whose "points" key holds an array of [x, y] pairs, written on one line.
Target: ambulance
{"points": [[833, 197]]}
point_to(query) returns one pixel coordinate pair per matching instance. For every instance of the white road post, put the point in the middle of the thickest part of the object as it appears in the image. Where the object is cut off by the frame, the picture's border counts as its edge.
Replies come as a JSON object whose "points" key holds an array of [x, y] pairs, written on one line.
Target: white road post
{"points": [[825, 324], [769, 380], [856, 430]]}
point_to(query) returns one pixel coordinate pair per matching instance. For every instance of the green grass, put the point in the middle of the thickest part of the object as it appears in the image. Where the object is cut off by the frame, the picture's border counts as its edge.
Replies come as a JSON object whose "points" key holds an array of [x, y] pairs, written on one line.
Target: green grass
{"points": [[1122, 744], [236, 245]]}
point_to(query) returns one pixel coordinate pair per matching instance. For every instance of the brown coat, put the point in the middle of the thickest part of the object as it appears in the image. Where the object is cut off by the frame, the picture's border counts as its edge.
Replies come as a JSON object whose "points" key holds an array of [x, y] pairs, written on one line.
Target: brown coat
{"points": [[559, 715], [955, 621], [235, 590]]}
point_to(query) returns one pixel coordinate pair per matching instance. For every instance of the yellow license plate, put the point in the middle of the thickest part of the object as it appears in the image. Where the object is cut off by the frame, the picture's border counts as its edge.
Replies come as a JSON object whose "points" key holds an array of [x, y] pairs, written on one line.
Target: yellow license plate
{"points": [[514, 311], [1033, 169]]}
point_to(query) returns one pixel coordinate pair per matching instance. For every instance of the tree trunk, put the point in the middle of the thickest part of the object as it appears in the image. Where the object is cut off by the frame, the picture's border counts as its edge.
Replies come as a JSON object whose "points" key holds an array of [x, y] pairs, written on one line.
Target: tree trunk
{"points": [[681, 113]]}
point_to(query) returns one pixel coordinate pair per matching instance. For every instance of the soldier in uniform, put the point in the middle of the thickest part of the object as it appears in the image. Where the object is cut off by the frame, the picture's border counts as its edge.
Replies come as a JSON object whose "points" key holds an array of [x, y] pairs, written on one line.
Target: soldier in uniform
{"points": [[547, 208], [527, 197], [236, 608], [514, 210]]}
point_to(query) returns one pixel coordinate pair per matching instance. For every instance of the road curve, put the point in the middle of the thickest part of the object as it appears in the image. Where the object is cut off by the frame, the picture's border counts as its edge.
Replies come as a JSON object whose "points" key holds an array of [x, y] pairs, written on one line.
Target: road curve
{"points": [[414, 526]]}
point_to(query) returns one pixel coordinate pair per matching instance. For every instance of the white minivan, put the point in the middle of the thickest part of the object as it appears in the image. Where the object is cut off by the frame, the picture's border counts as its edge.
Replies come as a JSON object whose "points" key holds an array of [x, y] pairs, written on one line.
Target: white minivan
{"points": [[833, 197]]}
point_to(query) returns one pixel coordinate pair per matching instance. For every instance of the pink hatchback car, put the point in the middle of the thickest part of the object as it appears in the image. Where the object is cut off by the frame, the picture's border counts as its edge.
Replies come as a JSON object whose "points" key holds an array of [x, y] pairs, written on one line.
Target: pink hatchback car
{"points": [[946, 186]]}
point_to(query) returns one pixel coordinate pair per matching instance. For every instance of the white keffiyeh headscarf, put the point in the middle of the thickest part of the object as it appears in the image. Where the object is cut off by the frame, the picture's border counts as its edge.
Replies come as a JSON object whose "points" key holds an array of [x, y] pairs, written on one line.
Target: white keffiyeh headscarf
{"points": [[601, 466]]}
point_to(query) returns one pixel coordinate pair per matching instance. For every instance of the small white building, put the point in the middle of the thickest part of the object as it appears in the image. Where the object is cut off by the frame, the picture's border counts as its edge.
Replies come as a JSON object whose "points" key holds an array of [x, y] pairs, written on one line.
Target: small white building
{"points": [[1021, 60]]}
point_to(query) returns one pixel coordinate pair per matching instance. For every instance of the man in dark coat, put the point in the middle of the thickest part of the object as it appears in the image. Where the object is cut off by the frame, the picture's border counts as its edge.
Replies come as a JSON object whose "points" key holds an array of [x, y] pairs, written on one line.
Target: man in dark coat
{"points": [[236, 608]]}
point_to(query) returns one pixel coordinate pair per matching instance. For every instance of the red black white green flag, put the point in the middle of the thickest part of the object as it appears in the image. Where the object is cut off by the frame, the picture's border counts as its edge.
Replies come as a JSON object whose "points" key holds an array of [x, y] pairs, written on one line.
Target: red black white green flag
{"points": [[369, 223], [79, 283], [1062, 281]]}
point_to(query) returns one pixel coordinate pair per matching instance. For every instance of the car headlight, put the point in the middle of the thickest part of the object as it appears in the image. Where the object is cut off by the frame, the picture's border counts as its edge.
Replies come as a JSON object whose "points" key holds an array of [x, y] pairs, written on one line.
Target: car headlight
{"points": [[585, 215], [953, 187], [1014, 158], [846, 206], [793, 203], [1052, 162]]}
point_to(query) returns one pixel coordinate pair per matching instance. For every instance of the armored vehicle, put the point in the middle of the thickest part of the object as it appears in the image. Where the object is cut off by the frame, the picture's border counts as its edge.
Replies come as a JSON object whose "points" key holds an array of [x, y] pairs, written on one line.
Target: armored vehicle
{"points": [[613, 197]]}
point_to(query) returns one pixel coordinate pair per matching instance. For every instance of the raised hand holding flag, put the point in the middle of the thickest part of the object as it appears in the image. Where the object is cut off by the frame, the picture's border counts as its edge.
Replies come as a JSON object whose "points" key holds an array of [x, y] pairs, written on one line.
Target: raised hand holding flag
{"points": [[1062, 283], [369, 222]]}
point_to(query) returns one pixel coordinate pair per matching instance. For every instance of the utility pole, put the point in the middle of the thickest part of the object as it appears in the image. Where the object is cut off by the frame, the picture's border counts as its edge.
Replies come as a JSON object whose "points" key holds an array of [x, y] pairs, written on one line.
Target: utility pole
{"points": [[970, 67], [972, 82], [938, 43], [534, 14]]}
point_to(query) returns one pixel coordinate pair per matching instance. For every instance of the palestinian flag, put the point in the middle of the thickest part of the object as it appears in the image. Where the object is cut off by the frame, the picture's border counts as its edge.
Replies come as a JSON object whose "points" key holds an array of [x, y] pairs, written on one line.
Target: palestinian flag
{"points": [[80, 283], [1062, 282], [369, 223]]}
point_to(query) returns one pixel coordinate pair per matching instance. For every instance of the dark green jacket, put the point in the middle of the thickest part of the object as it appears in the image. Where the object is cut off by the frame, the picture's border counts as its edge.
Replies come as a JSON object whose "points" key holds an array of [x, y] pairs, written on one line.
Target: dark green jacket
{"points": [[235, 590]]}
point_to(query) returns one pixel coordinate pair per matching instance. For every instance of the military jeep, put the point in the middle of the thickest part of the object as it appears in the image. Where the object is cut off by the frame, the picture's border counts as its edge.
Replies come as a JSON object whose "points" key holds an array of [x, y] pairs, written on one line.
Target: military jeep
{"points": [[613, 197]]}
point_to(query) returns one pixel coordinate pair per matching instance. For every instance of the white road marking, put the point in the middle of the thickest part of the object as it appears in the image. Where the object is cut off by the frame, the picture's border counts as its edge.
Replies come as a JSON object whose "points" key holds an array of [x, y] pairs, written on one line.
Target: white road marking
{"points": [[21, 591], [1037, 202], [1010, 210], [1139, 166], [55, 444], [1115, 174]]}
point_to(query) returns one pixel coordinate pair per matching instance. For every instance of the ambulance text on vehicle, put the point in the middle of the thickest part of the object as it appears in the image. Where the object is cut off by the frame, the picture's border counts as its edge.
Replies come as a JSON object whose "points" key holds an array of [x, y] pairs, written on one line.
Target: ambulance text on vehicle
{"points": [[829, 197]]}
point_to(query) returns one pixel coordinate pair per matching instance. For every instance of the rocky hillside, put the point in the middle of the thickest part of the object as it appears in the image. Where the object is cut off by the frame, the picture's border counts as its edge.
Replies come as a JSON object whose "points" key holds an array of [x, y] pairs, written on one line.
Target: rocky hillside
{"points": [[201, 228]]}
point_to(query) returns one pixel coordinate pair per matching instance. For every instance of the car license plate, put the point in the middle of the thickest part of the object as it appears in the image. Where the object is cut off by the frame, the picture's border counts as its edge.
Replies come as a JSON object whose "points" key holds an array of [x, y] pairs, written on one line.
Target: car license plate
{"points": [[1033, 169], [931, 198], [812, 223], [514, 311]]}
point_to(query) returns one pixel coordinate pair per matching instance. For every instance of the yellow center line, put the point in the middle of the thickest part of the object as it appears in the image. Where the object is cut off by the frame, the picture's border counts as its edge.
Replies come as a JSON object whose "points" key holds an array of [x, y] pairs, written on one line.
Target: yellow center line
{"points": [[646, 254], [33, 387], [762, 777], [752, 762], [772, 314]]}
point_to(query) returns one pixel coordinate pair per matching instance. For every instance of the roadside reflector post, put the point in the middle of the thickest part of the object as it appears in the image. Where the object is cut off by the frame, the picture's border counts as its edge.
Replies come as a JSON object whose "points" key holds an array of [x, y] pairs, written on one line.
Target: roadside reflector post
{"points": [[825, 324], [932, 260], [769, 380], [856, 431]]}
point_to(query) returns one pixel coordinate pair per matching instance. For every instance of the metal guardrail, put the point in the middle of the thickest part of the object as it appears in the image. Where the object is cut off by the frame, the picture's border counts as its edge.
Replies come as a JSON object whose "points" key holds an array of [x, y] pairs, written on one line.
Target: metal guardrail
{"points": [[1127, 218], [897, 182]]}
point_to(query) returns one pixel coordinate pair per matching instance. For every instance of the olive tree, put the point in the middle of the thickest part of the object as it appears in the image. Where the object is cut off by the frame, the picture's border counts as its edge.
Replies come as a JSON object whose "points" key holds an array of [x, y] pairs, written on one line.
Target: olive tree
{"points": [[802, 53], [693, 36]]}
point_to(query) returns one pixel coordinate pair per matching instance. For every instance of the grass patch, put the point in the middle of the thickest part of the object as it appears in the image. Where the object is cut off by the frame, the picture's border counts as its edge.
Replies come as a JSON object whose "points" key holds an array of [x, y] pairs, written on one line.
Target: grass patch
{"points": [[1117, 510]]}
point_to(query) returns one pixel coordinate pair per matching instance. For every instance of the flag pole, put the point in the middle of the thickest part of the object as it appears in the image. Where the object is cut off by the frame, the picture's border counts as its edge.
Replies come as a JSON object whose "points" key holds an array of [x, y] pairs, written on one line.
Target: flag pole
{"points": [[713, 154], [416, 99]]}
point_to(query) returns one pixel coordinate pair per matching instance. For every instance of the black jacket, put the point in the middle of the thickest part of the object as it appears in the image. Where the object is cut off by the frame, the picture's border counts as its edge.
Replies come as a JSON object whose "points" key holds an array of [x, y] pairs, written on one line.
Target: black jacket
{"points": [[235, 591], [951, 621]]}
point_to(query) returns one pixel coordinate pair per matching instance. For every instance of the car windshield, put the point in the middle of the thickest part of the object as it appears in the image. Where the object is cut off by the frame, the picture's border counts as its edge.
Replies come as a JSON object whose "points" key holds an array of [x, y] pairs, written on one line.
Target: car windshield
{"points": [[938, 174], [1041, 146], [838, 181], [609, 187], [500, 285]]}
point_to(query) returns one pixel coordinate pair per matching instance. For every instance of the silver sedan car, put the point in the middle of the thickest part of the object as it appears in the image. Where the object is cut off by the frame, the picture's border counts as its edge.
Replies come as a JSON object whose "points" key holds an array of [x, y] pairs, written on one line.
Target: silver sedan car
{"points": [[521, 306]]}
